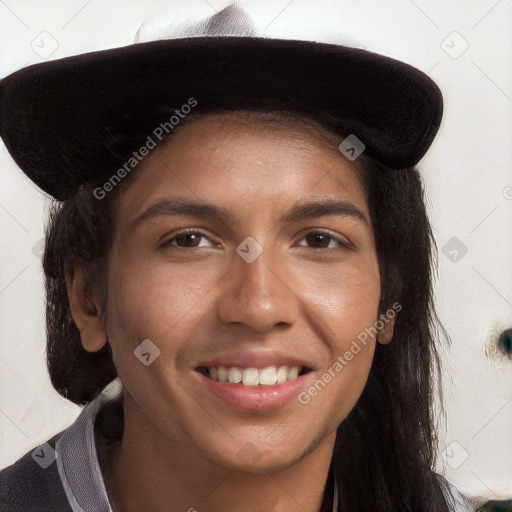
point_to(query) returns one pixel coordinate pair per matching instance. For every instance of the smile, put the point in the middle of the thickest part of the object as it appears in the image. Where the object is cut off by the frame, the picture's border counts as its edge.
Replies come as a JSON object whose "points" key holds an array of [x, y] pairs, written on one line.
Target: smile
{"points": [[268, 376], [265, 388]]}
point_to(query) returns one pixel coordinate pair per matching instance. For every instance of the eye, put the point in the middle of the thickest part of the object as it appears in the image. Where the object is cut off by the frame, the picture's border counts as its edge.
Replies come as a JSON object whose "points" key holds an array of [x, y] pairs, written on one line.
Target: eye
{"points": [[325, 240], [188, 239]]}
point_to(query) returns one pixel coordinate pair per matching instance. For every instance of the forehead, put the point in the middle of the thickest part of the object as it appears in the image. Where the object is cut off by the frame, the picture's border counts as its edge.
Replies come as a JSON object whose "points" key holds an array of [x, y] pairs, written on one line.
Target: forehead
{"points": [[264, 127], [246, 156]]}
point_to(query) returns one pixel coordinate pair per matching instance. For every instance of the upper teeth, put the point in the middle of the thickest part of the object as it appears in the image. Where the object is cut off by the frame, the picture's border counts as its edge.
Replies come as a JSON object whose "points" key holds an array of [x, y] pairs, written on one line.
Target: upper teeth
{"points": [[253, 376]]}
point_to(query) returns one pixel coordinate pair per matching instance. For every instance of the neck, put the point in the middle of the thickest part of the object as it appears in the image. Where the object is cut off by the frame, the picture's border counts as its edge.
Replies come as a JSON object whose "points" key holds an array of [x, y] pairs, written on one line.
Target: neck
{"points": [[147, 471]]}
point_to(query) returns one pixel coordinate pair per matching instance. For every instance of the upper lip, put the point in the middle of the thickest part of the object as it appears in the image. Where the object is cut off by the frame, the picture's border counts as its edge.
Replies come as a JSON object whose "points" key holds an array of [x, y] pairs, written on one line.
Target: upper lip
{"points": [[254, 359]]}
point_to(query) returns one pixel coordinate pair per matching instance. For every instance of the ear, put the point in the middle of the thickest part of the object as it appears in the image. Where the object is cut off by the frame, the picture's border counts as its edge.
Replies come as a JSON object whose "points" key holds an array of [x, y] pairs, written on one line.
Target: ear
{"points": [[85, 311], [385, 335]]}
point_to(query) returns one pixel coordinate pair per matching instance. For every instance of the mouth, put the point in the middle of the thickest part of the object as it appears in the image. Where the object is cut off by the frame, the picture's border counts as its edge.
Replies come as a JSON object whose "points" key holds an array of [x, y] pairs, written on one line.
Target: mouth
{"points": [[251, 376]]}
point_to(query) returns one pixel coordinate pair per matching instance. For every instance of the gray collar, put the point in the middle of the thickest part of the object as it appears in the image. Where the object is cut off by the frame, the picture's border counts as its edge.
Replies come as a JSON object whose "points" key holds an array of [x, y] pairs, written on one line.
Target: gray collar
{"points": [[77, 460]]}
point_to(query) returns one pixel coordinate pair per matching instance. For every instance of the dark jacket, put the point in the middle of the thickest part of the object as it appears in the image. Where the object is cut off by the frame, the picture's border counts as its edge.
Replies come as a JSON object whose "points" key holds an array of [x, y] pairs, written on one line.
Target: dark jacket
{"points": [[27, 486]]}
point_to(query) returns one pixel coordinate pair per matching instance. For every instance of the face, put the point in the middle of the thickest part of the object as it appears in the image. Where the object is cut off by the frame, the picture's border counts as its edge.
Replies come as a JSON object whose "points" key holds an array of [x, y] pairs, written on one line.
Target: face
{"points": [[242, 246]]}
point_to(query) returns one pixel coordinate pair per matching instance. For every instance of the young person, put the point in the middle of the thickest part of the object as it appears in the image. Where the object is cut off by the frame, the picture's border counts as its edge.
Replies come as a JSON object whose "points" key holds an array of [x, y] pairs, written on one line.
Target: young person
{"points": [[238, 274]]}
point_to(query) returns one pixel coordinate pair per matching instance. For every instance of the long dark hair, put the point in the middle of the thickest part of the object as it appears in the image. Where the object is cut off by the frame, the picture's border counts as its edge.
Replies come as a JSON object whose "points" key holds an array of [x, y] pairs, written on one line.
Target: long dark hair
{"points": [[385, 449]]}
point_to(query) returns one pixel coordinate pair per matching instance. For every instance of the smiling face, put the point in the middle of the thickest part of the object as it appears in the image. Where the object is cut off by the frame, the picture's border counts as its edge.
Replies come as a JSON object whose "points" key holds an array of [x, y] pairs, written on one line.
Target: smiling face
{"points": [[242, 244]]}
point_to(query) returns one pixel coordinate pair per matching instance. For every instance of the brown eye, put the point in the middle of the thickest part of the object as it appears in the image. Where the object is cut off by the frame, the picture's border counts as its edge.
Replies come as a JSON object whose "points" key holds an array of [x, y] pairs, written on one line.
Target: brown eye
{"points": [[321, 240], [318, 240], [188, 240]]}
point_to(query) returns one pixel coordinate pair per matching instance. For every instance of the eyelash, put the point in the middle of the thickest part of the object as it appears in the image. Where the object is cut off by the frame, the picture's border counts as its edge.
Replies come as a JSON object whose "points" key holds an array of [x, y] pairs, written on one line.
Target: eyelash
{"points": [[343, 244]]}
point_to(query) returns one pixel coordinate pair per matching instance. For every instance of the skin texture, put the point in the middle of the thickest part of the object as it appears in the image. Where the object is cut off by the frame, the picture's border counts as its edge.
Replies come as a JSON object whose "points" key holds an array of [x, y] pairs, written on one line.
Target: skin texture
{"points": [[181, 447]]}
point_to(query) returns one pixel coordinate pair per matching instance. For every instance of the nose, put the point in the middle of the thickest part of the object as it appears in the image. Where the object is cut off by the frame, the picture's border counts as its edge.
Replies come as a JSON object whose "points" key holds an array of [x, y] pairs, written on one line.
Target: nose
{"points": [[258, 295]]}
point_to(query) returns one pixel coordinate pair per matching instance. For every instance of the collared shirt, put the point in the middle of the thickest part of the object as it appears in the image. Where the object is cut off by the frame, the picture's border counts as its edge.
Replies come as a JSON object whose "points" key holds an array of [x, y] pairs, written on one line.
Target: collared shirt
{"points": [[64, 474], [81, 475]]}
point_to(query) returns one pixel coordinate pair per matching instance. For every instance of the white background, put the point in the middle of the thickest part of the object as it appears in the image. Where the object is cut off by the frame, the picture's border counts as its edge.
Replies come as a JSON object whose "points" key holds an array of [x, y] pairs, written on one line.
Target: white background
{"points": [[467, 172]]}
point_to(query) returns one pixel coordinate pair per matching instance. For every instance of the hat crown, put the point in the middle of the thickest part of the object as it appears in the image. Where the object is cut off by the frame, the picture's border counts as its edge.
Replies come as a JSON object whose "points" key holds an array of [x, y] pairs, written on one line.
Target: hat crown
{"points": [[230, 21]]}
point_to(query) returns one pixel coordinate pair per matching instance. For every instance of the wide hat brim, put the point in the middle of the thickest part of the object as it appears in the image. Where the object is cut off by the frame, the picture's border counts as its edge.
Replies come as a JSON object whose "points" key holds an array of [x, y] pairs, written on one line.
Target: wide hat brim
{"points": [[54, 116]]}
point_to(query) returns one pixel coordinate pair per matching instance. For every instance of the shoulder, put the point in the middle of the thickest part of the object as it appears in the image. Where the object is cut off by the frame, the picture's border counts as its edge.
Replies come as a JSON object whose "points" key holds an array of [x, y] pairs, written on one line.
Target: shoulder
{"points": [[33, 482], [50, 478], [456, 501]]}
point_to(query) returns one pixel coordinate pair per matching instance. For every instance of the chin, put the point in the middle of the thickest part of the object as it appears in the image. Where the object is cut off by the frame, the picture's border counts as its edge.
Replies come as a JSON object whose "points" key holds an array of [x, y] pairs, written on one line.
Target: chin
{"points": [[264, 465], [250, 457]]}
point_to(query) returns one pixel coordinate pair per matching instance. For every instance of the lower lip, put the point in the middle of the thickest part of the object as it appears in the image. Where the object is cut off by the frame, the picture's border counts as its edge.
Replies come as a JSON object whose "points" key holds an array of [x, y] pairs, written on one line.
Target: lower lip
{"points": [[255, 397]]}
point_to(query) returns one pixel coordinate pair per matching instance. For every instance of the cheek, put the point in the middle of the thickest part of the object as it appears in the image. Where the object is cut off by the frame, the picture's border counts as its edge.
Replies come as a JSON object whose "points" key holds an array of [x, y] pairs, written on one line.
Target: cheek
{"points": [[345, 303], [345, 297], [151, 298]]}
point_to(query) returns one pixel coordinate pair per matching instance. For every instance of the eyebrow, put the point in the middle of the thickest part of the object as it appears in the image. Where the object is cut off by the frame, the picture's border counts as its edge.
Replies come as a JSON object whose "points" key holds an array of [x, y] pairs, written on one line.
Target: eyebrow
{"points": [[322, 207], [208, 211]]}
